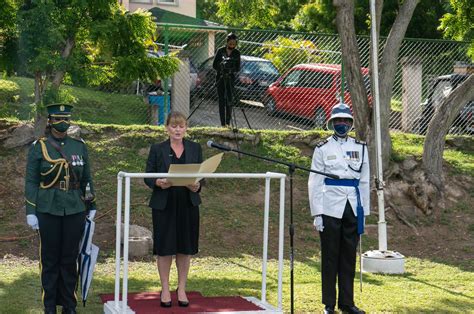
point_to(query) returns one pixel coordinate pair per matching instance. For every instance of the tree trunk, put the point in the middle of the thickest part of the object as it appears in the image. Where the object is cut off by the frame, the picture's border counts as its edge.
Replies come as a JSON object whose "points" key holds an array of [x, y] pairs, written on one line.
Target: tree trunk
{"points": [[387, 70], [41, 85], [59, 75], [40, 119], [439, 126], [352, 66]]}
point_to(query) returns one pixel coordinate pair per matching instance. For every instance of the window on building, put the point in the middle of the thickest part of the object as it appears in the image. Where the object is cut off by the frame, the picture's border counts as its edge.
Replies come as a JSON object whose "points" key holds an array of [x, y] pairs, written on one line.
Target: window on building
{"points": [[175, 2]]}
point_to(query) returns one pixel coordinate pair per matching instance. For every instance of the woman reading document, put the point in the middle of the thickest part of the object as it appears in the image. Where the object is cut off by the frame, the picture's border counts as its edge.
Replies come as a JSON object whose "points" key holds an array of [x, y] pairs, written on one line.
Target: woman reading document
{"points": [[175, 209]]}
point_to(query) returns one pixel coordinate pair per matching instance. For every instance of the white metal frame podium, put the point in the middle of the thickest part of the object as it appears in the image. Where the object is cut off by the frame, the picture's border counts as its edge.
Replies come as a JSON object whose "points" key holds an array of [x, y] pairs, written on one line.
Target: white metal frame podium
{"points": [[120, 306]]}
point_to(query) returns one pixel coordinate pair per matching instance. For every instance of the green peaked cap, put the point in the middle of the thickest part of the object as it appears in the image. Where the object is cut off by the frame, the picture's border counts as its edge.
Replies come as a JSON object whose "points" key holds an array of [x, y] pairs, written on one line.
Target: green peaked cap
{"points": [[59, 109]]}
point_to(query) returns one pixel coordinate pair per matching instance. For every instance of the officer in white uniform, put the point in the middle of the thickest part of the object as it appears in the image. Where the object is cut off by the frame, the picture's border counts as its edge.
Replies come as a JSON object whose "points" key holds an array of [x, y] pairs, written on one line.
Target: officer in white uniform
{"points": [[339, 207]]}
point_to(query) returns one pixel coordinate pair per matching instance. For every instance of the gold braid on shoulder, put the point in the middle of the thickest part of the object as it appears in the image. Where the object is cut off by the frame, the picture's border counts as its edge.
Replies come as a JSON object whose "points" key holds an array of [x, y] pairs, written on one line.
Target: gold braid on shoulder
{"points": [[61, 162]]}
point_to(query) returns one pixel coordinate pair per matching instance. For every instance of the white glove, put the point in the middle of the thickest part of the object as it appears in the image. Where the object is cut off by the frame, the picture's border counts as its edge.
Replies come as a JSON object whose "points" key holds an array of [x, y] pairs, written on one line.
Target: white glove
{"points": [[32, 221], [318, 223], [92, 214]]}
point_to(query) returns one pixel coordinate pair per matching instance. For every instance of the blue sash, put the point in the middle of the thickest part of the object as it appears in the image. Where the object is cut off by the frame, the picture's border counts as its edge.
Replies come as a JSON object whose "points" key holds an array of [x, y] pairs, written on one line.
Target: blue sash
{"points": [[360, 209]]}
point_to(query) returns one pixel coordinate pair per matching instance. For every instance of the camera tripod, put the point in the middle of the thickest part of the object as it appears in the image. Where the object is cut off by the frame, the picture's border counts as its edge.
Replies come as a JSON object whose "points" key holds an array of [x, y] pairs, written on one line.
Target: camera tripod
{"points": [[229, 104], [229, 90], [226, 81]]}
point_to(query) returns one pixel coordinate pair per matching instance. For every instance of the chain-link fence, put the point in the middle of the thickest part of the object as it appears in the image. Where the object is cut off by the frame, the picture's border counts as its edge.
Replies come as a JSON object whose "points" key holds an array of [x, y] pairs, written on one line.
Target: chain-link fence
{"points": [[287, 80]]}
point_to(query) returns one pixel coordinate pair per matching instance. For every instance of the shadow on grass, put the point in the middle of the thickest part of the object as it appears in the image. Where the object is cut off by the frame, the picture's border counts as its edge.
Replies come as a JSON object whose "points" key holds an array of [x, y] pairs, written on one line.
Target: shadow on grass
{"points": [[22, 295], [410, 277], [436, 306]]}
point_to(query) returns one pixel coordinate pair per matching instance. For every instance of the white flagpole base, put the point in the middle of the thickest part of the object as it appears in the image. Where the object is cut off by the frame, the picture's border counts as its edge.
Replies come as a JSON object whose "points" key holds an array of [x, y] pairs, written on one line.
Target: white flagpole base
{"points": [[385, 262], [111, 308]]}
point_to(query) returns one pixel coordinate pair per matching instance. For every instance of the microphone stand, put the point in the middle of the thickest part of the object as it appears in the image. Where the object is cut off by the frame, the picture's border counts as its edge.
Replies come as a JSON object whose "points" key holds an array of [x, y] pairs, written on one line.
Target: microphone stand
{"points": [[291, 169]]}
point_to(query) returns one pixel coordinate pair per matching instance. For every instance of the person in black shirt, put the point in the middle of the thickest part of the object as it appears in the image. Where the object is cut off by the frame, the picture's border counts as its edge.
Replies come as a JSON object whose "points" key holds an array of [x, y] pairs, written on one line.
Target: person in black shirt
{"points": [[226, 63], [175, 209]]}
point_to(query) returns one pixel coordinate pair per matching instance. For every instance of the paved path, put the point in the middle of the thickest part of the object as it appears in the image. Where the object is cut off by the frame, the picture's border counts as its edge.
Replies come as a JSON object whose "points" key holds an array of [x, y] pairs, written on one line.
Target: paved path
{"points": [[207, 114]]}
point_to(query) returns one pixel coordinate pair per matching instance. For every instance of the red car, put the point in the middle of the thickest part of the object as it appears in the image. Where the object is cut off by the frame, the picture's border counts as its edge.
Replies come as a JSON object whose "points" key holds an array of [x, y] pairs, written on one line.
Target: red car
{"points": [[309, 91]]}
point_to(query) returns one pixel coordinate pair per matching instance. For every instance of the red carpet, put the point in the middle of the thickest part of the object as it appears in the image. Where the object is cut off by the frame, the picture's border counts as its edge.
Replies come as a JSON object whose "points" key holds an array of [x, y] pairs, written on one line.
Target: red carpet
{"points": [[149, 302]]}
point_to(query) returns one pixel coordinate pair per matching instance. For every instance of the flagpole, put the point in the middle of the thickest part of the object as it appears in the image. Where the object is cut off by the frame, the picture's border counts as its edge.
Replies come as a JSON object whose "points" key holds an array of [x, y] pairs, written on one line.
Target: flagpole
{"points": [[380, 260]]}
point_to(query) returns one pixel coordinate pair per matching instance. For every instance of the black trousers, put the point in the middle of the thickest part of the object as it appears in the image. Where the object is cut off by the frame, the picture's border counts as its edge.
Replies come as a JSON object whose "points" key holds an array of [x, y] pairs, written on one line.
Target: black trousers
{"points": [[338, 257], [225, 93], [59, 248]]}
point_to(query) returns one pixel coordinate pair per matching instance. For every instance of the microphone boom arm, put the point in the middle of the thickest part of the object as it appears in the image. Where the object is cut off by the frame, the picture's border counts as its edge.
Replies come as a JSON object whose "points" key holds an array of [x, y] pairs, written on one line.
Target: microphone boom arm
{"points": [[291, 166]]}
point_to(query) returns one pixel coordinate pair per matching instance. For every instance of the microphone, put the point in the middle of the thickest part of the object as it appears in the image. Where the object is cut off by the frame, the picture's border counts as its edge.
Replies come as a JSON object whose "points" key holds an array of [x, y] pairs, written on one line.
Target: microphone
{"points": [[218, 146]]}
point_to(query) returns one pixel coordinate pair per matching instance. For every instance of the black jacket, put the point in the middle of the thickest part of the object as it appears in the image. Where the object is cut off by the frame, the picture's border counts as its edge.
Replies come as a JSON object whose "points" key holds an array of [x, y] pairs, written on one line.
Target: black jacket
{"points": [[234, 58], [159, 160]]}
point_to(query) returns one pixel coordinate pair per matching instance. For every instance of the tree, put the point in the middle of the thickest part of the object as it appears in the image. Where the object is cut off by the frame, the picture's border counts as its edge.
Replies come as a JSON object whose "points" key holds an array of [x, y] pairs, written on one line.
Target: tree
{"points": [[247, 13], [50, 32], [286, 52], [457, 24], [8, 35], [438, 128], [287, 11], [387, 68], [320, 16], [207, 10]]}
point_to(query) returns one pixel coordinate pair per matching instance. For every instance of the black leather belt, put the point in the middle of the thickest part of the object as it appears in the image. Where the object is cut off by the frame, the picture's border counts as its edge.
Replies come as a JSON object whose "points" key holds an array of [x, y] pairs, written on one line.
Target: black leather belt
{"points": [[61, 185]]}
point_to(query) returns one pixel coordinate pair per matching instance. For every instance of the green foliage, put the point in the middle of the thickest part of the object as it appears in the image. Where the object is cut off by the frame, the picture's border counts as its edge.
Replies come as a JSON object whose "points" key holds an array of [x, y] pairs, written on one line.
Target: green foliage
{"points": [[286, 52], [247, 13], [457, 23], [207, 10], [8, 35], [58, 95], [316, 16], [8, 91], [396, 105], [90, 42]]}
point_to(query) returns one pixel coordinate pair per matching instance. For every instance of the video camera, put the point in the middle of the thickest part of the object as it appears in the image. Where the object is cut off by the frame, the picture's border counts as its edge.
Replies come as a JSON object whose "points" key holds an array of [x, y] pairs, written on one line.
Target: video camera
{"points": [[227, 65]]}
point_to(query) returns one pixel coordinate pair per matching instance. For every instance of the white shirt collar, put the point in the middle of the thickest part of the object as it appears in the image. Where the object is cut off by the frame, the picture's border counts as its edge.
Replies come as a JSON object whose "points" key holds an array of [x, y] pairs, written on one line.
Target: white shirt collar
{"points": [[340, 139]]}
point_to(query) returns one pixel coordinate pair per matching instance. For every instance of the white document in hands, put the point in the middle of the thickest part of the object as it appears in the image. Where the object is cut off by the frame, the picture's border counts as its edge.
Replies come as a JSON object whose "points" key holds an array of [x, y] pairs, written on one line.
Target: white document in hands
{"points": [[208, 166]]}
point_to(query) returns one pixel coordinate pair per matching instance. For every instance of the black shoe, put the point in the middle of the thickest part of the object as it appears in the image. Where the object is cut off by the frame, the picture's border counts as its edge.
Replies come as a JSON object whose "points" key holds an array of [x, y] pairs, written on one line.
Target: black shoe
{"points": [[50, 310], [165, 304], [181, 303], [329, 309], [68, 310], [351, 310]]}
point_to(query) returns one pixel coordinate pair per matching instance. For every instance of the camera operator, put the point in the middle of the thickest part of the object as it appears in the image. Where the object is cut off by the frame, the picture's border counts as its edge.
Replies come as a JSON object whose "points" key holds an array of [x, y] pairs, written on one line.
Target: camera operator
{"points": [[226, 63]]}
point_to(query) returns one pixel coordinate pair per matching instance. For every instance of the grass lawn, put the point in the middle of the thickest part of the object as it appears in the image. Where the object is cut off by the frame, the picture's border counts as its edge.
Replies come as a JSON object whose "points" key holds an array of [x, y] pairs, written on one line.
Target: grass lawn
{"points": [[426, 287], [231, 232], [97, 106]]}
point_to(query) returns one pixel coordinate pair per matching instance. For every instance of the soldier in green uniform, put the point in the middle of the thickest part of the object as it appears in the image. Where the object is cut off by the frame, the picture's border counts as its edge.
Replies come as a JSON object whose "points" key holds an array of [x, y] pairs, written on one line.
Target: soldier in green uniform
{"points": [[57, 175]]}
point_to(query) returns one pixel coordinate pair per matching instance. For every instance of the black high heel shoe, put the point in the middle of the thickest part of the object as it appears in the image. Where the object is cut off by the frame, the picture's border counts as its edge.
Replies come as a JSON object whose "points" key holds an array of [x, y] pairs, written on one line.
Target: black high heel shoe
{"points": [[181, 303], [165, 304]]}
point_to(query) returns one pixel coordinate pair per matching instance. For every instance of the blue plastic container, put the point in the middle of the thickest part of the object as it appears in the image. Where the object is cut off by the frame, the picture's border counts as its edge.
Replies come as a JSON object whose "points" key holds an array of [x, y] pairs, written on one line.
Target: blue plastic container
{"points": [[159, 100]]}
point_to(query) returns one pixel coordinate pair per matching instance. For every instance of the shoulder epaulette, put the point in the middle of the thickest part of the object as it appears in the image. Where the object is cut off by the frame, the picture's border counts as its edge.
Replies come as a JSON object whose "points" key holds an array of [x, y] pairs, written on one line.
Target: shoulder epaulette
{"points": [[321, 143], [80, 139], [41, 139], [361, 142]]}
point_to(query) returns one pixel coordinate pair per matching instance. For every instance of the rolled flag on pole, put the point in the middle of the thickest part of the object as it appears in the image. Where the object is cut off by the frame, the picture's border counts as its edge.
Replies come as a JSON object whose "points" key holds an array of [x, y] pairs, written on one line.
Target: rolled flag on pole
{"points": [[360, 214], [87, 259]]}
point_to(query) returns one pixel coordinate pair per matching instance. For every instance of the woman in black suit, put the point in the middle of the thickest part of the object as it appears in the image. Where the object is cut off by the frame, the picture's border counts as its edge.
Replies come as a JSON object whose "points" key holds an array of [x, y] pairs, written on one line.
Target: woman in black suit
{"points": [[175, 209]]}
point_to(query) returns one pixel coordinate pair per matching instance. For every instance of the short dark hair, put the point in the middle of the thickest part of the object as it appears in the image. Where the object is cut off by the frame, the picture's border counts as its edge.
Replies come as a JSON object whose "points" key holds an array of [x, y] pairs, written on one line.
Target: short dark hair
{"points": [[231, 36]]}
